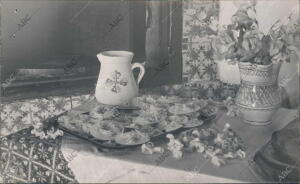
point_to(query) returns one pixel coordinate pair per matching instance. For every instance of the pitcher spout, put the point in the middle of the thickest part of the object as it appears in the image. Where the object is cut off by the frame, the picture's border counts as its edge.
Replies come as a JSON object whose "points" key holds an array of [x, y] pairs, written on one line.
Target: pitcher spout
{"points": [[115, 56]]}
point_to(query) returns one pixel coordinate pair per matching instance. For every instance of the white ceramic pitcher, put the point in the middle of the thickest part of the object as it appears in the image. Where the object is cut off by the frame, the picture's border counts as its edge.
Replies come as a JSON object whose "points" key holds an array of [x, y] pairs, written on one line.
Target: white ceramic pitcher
{"points": [[116, 84]]}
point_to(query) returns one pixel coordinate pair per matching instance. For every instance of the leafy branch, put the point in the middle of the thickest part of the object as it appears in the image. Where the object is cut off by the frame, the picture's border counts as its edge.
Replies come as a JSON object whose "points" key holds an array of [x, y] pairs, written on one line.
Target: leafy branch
{"points": [[243, 41]]}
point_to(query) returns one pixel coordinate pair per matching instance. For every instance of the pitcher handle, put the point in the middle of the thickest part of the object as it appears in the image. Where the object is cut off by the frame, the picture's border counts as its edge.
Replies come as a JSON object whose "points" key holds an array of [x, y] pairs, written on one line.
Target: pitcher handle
{"points": [[142, 71]]}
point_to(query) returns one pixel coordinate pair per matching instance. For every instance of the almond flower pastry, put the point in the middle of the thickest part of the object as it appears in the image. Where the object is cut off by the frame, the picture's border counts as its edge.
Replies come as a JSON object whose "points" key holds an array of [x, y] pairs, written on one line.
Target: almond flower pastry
{"points": [[226, 127], [179, 108], [103, 112], [232, 109], [197, 145], [87, 126], [157, 113], [145, 100], [215, 160], [175, 146], [148, 148], [198, 102], [192, 122], [196, 133], [38, 131], [241, 153], [184, 138], [169, 99], [106, 130], [169, 126], [151, 99], [52, 133], [68, 122], [220, 136], [238, 154], [77, 122], [143, 120], [209, 110], [152, 116], [179, 119], [132, 138]]}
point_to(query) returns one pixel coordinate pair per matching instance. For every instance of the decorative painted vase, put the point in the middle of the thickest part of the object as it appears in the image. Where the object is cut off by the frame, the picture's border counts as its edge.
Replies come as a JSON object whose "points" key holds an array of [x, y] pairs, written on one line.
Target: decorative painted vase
{"points": [[259, 95], [116, 84]]}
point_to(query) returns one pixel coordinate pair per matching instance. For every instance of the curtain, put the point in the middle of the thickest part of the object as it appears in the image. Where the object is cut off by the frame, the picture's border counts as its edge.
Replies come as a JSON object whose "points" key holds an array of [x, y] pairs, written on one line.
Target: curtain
{"points": [[163, 42]]}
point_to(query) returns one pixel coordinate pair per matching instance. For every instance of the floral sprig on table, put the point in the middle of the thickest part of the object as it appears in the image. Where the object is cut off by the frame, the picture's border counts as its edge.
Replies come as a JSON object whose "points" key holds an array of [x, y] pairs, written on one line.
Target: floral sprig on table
{"points": [[175, 146], [216, 145], [232, 108], [243, 41], [149, 148]]}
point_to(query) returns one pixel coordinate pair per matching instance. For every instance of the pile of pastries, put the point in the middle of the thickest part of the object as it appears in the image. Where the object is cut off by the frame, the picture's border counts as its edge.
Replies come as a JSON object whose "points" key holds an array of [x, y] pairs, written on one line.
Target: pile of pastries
{"points": [[153, 115], [217, 145]]}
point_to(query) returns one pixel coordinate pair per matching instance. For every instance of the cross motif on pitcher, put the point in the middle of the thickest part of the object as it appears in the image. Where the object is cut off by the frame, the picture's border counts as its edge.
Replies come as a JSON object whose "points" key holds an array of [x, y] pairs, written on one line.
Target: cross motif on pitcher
{"points": [[115, 82]]}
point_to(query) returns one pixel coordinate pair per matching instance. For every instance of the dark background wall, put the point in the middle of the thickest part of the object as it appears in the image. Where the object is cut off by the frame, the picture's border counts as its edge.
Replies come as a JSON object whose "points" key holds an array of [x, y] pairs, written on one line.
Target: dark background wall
{"points": [[43, 34]]}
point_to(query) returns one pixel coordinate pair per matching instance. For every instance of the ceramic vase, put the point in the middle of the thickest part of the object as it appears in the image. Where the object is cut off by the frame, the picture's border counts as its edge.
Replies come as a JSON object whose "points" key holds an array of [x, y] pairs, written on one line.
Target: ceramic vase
{"points": [[259, 95]]}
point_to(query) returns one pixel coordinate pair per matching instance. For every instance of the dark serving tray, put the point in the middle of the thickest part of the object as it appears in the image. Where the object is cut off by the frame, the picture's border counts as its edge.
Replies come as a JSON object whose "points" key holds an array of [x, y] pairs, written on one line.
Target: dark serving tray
{"points": [[111, 144]]}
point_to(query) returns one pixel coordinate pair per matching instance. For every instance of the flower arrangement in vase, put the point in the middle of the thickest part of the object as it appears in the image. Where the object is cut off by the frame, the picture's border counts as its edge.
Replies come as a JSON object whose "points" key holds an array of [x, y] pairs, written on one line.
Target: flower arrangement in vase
{"points": [[259, 56]]}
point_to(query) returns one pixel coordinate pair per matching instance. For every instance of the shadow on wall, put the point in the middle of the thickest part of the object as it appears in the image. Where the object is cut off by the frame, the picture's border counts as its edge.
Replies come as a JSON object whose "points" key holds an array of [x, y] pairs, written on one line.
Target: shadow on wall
{"points": [[37, 34]]}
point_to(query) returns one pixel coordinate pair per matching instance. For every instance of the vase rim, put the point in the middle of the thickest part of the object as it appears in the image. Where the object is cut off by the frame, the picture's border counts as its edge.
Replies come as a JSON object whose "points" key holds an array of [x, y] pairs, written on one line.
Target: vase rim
{"points": [[254, 64]]}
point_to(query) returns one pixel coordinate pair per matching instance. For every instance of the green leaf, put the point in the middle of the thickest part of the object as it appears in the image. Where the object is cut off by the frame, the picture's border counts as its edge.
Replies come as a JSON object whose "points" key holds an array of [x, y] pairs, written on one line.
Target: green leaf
{"points": [[266, 40], [242, 19], [248, 57]]}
